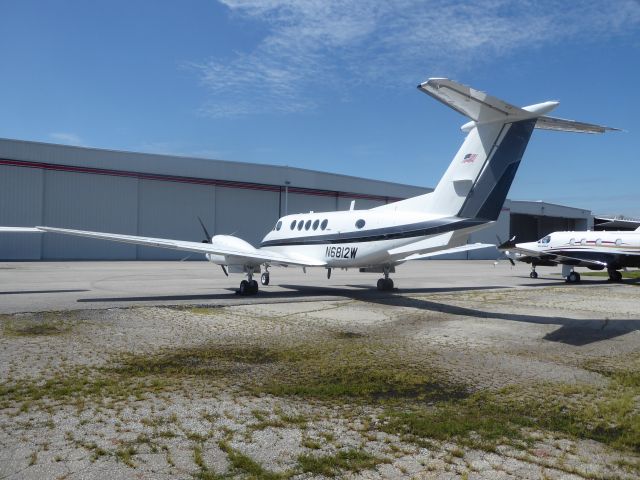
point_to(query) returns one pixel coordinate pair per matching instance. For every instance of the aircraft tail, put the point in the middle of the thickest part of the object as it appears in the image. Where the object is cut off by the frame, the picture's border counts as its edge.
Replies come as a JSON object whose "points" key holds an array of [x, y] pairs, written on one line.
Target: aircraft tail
{"points": [[478, 179]]}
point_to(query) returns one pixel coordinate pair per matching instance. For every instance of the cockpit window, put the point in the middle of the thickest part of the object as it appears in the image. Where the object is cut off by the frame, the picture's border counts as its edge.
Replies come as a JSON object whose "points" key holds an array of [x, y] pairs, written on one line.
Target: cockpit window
{"points": [[279, 225], [545, 240]]}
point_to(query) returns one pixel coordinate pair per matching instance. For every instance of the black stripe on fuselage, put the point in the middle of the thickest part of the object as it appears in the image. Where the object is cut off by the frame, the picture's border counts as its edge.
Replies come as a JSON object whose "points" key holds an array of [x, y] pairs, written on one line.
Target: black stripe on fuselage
{"points": [[421, 229]]}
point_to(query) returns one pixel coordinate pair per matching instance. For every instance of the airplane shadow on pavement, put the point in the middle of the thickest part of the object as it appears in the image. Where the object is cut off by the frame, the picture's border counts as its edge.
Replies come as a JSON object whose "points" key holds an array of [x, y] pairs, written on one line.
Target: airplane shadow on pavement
{"points": [[573, 331]]}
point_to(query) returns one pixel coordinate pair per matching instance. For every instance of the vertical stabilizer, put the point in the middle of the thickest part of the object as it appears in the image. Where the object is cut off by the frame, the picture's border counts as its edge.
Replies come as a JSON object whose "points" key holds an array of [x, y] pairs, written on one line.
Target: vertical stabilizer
{"points": [[478, 179]]}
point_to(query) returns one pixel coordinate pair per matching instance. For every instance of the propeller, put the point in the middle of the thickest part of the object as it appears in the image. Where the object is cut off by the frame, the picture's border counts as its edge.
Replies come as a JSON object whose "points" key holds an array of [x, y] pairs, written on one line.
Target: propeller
{"points": [[206, 232], [207, 239], [504, 247]]}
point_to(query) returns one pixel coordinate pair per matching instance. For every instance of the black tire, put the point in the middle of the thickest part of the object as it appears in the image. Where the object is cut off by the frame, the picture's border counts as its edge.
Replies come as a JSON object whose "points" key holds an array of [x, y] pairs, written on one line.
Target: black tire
{"points": [[573, 277], [264, 279], [381, 284], [389, 283], [253, 286], [533, 275], [244, 287], [616, 276]]}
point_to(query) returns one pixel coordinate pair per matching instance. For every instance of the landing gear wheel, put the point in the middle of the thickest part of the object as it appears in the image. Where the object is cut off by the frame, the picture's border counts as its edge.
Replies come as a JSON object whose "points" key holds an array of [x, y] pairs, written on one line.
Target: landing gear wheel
{"points": [[615, 276], [573, 277], [533, 274], [248, 287], [385, 284], [264, 278]]}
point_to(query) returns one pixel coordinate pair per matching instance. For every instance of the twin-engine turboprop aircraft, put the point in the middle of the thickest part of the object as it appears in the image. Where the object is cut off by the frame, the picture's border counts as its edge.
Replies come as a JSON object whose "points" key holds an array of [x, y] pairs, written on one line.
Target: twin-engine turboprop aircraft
{"points": [[469, 196], [595, 250]]}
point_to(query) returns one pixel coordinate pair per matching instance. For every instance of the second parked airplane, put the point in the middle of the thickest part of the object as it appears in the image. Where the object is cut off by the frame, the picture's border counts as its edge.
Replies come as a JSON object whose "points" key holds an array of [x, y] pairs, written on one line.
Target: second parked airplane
{"points": [[595, 250]]}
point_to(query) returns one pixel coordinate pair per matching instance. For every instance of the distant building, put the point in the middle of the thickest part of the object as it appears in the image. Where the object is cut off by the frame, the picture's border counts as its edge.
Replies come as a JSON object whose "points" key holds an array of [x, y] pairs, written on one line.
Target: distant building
{"points": [[163, 196]]}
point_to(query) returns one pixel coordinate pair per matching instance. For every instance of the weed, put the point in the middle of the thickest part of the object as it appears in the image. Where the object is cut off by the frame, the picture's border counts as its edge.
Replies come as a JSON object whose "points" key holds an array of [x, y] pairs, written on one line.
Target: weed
{"points": [[331, 465], [125, 455], [243, 463]]}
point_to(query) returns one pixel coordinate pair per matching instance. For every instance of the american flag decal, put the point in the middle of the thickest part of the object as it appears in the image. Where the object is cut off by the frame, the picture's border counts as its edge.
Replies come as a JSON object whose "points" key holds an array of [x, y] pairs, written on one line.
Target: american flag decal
{"points": [[469, 158]]}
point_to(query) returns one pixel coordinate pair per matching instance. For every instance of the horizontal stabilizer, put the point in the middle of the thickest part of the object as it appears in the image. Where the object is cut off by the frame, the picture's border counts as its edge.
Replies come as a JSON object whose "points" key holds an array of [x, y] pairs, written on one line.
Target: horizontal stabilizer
{"points": [[563, 125], [478, 106]]}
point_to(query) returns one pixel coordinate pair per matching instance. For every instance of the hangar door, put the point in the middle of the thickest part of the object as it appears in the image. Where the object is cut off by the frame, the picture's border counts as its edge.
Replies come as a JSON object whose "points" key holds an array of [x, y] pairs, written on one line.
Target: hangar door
{"points": [[528, 228]]}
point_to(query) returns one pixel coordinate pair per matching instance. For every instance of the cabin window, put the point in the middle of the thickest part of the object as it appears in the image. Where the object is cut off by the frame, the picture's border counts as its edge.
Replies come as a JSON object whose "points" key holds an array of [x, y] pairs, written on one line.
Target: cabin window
{"points": [[307, 225], [300, 224], [583, 241], [618, 242], [315, 224], [324, 224], [360, 223], [572, 241], [293, 225], [598, 242], [278, 225]]}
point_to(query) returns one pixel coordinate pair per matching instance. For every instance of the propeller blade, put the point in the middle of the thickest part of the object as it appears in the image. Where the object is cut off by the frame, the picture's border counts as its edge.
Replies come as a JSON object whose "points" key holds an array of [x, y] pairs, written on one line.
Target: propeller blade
{"points": [[208, 237]]}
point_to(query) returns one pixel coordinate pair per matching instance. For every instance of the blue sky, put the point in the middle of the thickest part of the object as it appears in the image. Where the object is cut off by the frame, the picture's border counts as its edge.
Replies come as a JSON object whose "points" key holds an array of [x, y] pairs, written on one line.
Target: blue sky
{"points": [[329, 85]]}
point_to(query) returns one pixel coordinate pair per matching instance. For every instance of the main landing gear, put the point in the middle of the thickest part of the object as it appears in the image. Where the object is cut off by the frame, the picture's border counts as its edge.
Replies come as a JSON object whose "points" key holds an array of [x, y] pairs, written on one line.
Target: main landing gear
{"points": [[573, 277], [248, 286], [570, 275], [385, 284], [264, 278], [614, 275], [533, 273]]}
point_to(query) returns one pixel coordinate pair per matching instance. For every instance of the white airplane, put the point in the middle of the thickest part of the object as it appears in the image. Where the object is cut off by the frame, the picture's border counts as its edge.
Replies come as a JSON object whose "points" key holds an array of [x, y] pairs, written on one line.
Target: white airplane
{"points": [[595, 250], [469, 197]]}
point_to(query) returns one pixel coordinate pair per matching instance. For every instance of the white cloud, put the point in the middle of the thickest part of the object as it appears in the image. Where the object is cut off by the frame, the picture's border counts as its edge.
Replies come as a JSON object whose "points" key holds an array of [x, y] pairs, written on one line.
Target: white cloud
{"points": [[331, 46], [66, 138]]}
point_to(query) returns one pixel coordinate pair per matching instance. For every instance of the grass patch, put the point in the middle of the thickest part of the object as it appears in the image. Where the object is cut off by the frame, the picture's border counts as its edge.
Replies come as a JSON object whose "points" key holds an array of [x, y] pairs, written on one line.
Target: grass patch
{"points": [[42, 325], [625, 274], [125, 455], [332, 465], [485, 420], [243, 463]]}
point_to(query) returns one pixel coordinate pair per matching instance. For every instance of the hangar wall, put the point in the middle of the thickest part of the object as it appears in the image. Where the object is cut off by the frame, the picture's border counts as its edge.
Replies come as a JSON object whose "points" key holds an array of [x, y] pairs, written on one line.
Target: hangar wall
{"points": [[156, 196]]}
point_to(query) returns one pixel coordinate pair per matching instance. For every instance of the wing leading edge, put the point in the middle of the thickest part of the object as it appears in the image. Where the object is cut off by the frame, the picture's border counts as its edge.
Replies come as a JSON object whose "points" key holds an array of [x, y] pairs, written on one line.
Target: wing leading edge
{"points": [[236, 255]]}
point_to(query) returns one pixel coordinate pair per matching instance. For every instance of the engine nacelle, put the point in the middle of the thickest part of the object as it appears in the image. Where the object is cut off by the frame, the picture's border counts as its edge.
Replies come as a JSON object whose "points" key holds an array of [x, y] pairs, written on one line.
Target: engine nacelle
{"points": [[231, 242]]}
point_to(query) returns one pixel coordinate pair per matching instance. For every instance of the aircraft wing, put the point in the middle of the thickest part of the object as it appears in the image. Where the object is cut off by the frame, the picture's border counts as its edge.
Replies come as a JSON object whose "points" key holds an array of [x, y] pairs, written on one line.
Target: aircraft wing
{"points": [[446, 251], [233, 255], [549, 256], [19, 230]]}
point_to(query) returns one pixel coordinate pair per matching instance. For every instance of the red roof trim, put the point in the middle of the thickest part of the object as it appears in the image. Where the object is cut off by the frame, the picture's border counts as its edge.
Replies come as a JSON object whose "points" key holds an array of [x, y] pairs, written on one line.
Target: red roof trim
{"points": [[194, 180]]}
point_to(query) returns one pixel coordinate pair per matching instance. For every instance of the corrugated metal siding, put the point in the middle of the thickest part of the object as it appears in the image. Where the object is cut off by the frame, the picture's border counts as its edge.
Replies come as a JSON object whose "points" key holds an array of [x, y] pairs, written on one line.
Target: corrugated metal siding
{"points": [[248, 214], [20, 206], [89, 202], [171, 210], [305, 203]]}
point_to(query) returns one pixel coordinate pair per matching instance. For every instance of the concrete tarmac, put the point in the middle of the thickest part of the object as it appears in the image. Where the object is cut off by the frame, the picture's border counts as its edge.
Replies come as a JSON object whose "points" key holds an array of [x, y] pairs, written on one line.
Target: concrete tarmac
{"points": [[45, 286]]}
